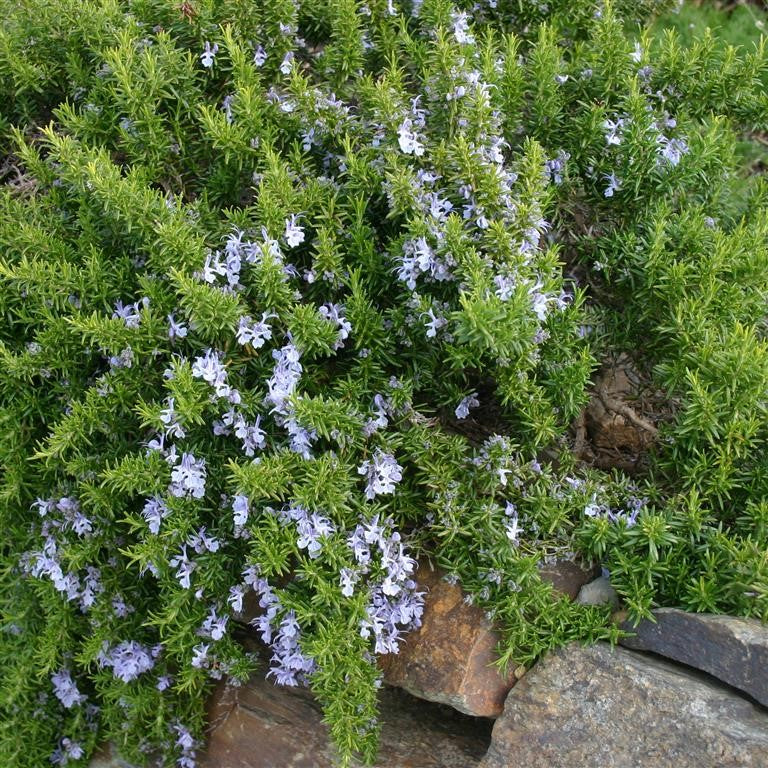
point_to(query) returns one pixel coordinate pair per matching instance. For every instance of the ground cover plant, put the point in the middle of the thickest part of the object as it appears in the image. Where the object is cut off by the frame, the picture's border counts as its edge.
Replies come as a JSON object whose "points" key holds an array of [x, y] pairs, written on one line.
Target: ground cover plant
{"points": [[294, 293]]}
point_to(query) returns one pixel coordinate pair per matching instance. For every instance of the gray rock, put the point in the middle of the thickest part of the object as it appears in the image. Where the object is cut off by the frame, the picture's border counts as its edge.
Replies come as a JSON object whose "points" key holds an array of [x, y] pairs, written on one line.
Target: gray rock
{"points": [[586, 707], [106, 758], [734, 650], [598, 592]]}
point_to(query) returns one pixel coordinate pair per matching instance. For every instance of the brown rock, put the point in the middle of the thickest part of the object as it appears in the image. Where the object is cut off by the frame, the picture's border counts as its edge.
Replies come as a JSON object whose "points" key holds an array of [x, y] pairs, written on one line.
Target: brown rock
{"points": [[586, 707], [450, 658], [617, 428], [568, 577], [734, 650], [260, 725]]}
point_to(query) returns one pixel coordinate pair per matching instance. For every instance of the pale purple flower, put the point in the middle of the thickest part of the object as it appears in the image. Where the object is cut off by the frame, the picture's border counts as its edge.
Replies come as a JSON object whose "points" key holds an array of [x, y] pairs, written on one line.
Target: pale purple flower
{"points": [[382, 473], [185, 740], [505, 286], [434, 323], [334, 313], [65, 689], [223, 426], [556, 166], [671, 150], [461, 28], [209, 54], [210, 368], [470, 401], [251, 435], [613, 130], [240, 509], [170, 419], [213, 267], [128, 660], [254, 333], [511, 525], [188, 478], [202, 543], [214, 626], [540, 302], [81, 525], [184, 567], [287, 63], [92, 587], [614, 184], [388, 617], [123, 360], [381, 421], [408, 139], [226, 105], [348, 579], [129, 314], [301, 438], [154, 511], [120, 607], [285, 376], [259, 56], [359, 546], [187, 744], [43, 506], [200, 655], [311, 529], [66, 751], [289, 665], [294, 234], [236, 595], [176, 330]]}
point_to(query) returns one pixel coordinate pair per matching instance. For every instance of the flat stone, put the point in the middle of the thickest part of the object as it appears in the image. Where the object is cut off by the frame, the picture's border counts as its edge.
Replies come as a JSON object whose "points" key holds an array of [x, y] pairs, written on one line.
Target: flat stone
{"points": [[598, 592], [449, 659], [732, 649], [261, 725], [614, 708]]}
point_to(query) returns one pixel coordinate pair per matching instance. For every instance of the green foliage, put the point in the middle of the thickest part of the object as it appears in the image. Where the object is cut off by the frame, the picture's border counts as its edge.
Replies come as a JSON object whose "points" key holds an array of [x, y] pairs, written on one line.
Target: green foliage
{"points": [[291, 290]]}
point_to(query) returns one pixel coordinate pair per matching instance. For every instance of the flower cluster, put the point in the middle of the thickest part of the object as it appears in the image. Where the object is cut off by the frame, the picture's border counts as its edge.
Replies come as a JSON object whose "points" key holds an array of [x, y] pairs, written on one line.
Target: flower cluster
{"points": [[395, 606], [65, 689], [382, 473], [628, 516], [128, 659]]}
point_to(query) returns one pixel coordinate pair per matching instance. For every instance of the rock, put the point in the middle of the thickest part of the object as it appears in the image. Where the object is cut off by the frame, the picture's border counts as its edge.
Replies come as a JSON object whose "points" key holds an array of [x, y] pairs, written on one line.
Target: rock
{"points": [[617, 428], [261, 725], [598, 592], [105, 757], [568, 577], [732, 649], [586, 707], [449, 658]]}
